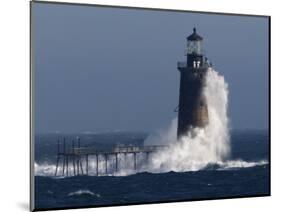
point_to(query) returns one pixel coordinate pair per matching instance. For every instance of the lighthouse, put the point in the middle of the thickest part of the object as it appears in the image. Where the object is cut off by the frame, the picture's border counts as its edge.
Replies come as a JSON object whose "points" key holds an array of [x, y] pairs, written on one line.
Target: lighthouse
{"points": [[193, 108]]}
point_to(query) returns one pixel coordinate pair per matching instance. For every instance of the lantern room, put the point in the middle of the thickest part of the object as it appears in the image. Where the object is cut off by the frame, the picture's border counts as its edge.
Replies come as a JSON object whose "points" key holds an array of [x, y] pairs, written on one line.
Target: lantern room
{"points": [[194, 44]]}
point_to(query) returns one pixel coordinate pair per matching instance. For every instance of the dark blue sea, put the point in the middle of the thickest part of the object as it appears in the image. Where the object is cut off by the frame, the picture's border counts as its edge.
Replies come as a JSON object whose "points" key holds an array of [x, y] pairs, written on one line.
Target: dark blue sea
{"points": [[251, 146]]}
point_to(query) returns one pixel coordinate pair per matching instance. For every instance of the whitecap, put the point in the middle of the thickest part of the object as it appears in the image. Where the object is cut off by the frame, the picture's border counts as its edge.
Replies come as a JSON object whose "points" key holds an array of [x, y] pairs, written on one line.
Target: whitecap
{"points": [[83, 192]]}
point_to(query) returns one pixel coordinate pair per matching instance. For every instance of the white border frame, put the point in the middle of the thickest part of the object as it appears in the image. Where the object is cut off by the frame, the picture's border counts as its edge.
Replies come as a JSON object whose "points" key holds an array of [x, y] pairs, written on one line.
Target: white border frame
{"points": [[14, 88]]}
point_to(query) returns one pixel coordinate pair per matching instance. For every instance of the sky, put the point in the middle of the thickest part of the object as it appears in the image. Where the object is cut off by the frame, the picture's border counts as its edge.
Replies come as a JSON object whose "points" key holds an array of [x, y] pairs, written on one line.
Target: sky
{"points": [[103, 69]]}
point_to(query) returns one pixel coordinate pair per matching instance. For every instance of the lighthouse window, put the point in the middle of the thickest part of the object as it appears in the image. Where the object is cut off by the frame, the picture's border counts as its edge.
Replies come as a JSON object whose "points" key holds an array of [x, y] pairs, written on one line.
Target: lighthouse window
{"points": [[194, 64]]}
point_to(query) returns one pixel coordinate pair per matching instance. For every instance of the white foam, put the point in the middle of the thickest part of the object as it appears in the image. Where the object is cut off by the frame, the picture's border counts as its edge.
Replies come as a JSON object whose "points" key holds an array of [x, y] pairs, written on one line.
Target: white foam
{"points": [[83, 192], [238, 164], [47, 169], [44, 169]]}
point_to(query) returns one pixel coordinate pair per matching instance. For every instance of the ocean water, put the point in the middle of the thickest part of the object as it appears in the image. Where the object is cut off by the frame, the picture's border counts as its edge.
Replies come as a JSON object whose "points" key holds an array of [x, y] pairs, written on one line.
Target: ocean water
{"points": [[244, 173]]}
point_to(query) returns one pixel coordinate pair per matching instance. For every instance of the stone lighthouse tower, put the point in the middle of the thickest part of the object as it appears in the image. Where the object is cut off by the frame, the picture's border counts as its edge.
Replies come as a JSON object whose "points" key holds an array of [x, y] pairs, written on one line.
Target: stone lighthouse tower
{"points": [[192, 109]]}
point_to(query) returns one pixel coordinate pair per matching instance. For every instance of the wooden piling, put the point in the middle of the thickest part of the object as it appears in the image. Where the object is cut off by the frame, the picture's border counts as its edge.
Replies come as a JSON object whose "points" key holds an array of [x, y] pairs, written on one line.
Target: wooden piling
{"points": [[97, 164], [58, 157], [116, 162], [73, 158], [125, 158], [63, 166], [78, 157], [77, 164], [87, 164], [80, 162], [105, 163], [66, 165], [135, 161]]}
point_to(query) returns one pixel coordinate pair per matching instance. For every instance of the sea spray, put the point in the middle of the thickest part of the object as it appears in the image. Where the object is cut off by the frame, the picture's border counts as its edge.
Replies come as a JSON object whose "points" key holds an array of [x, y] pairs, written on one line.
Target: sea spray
{"points": [[200, 146]]}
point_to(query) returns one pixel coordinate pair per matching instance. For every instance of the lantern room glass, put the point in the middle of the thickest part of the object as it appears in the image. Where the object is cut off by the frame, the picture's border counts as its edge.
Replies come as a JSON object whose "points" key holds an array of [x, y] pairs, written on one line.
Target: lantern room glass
{"points": [[194, 47]]}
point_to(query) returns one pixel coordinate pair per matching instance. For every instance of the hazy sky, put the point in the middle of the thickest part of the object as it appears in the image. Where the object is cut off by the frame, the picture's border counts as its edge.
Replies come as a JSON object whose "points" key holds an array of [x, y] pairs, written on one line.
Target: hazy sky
{"points": [[99, 69]]}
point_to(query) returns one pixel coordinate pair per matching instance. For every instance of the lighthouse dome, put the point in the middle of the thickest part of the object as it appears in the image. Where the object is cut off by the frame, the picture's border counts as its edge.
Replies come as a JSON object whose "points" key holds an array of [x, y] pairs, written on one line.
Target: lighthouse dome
{"points": [[194, 36]]}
